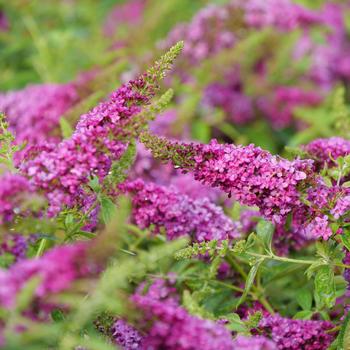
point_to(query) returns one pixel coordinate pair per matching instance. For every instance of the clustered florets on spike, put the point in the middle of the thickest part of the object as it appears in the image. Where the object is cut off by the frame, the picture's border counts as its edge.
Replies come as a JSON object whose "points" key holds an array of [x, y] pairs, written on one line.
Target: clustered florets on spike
{"points": [[100, 139], [33, 113], [56, 271], [291, 334], [207, 34], [126, 336], [325, 151], [253, 176], [174, 328], [16, 245], [61, 170], [253, 343], [279, 107], [178, 214], [13, 189]]}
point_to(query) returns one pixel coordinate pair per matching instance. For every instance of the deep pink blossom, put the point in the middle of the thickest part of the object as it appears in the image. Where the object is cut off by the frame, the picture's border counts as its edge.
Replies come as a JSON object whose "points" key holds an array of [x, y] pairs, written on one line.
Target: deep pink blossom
{"points": [[207, 34], [325, 151], [282, 14], [128, 13], [34, 112], [56, 270], [126, 336], [253, 343], [61, 170], [253, 176], [229, 96], [279, 108], [174, 329], [289, 334], [319, 228], [13, 189], [341, 207], [178, 214]]}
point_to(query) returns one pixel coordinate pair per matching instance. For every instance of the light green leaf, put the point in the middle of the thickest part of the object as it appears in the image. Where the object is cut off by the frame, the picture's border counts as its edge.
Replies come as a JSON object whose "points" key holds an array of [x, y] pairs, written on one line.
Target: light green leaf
{"points": [[325, 287], [108, 209], [66, 129], [303, 315], [264, 230], [304, 298]]}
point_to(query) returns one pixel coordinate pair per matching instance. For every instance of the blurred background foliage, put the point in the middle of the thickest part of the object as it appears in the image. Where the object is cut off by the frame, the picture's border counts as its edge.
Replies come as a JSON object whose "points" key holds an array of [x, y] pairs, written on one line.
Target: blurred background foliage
{"points": [[55, 41]]}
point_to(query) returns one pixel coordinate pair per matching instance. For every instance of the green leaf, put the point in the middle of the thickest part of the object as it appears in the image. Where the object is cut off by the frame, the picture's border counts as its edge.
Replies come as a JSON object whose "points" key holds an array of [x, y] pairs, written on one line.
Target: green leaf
{"points": [[303, 315], [345, 238], [86, 234], [325, 287], [201, 131], [235, 323], [304, 298], [66, 129], [344, 334], [57, 315], [108, 209], [250, 280], [264, 230], [94, 183]]}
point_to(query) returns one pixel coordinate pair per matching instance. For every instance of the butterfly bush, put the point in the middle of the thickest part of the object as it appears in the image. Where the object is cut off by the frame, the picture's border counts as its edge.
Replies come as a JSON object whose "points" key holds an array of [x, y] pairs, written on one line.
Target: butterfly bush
{"points": [[177, 221], [61, 170], [297, 334], [174, 328], [56, 271], [326, 151], [178, 214], [126, 336], [34, 112], [13, 190], [255, 177]]}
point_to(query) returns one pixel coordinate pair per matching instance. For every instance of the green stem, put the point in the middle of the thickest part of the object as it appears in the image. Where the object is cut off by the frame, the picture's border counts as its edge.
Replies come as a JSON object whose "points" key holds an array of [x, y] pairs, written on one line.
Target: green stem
{"points": [[41, 248], [295, 261], [281, 258], [259, 296]]}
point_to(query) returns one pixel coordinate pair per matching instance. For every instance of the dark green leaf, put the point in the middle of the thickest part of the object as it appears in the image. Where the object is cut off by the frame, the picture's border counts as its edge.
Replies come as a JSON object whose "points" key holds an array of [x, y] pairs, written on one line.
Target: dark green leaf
{"points": [[250, 280], [57, 315]]}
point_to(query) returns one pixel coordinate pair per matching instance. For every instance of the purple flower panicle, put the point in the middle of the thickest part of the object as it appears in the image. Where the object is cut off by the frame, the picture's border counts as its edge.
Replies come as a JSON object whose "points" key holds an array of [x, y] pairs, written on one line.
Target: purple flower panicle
{"points": [[126, 336], [57, 270], [289, 334], [178, 213]]}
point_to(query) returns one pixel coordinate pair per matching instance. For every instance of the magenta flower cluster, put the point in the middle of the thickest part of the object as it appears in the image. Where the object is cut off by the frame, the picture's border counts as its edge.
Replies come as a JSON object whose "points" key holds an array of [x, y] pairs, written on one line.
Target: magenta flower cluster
{"points": [[207, 34], [13, 190], [279, 108], [253, 343], [325, 151], [174, 329], [178, 214], [33, 113], [230, 96], [56, 271], [126, 336], [61, 171], [253, 176], [291, 334]]}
